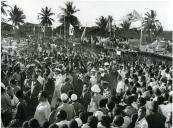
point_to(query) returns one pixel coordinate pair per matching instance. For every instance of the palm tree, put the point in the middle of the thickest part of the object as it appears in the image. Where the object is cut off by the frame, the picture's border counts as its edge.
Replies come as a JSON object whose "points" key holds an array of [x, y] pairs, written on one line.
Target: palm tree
{"points": [[152, 26], [125, 25], [68, 15], [16, 16], [3, 6], [45, 17], [101, 23]]}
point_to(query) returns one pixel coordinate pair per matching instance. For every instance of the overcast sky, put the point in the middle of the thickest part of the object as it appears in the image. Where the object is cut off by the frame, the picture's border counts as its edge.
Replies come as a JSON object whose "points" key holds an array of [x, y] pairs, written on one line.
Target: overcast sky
{"points": [[90, 10]]}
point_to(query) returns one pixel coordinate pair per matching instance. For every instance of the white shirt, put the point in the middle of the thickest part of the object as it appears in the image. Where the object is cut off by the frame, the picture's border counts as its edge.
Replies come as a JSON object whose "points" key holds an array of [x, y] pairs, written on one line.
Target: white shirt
{"points": [[56, 95], [163, 73], [40, 80], [165, 109], [141, 124], [126, 121], [120, 86], [14, 102], [42, 112]]}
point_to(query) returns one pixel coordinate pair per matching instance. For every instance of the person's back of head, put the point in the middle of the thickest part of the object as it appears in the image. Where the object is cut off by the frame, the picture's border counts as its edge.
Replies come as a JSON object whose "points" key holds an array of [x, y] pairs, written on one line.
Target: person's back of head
{"points": [[102, 103], [129, 100], [13, 82], [25, 124], [117, 111], [92, 121], [33, 123], [43, 96], [53, 126], [118, 121], [157, 92], [62, 115], [106, 121], [84, 117], [115, 99], [134, 90], [110, 105], [141, 101], [153, 107], [73, 124], [160, 100], [46, 124], [19, 94]]}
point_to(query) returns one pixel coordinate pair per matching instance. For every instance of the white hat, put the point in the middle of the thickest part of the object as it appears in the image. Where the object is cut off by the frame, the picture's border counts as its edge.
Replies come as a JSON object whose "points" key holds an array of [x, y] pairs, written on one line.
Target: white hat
{"points": [[64, 97], [73, 97], [95, 88], [101, 69], [106, 64], [93, 70], [79, 122]]}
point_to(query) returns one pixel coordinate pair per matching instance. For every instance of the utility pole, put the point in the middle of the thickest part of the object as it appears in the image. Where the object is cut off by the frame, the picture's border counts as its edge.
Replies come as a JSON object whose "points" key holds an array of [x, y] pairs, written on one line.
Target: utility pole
{"points": [[65, 32]]}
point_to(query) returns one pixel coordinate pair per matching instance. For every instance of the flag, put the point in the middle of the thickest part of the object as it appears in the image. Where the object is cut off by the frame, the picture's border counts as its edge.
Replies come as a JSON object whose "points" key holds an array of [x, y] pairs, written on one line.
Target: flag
{"points": [[71, 30], [136, 20], [108, 26], [135, 16], [83, 34]]}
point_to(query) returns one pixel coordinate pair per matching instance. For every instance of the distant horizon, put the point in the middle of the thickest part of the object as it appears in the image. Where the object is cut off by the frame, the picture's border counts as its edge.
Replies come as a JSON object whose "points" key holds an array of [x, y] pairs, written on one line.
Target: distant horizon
{"points": [[92, 10]]}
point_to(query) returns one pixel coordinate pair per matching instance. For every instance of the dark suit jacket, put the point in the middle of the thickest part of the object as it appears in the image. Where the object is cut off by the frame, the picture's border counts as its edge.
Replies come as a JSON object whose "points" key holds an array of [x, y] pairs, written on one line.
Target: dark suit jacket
{"points": [[36, 90]]}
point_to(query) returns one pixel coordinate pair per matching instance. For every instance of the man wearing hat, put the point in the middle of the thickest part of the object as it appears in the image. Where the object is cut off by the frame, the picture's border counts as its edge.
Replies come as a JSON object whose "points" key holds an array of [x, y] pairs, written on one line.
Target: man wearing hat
{"points": [[77, 106], [97, 96], [62, 118], [93, 78], [68, 108], [106, 91]]}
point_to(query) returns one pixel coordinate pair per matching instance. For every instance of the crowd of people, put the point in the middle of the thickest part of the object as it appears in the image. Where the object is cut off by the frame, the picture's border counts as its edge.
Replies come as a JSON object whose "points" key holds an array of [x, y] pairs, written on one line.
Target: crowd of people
{"points": [[50, 87]]}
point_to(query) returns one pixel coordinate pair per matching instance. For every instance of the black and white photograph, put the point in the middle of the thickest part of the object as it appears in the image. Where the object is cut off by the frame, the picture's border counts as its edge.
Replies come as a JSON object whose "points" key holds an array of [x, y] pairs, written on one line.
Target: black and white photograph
{"points": [[86, 63]]}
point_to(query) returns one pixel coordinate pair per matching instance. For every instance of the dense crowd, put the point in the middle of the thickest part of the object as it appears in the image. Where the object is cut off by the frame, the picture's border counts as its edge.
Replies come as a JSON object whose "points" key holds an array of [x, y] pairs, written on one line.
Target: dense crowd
{"points": [[49, 87]]}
